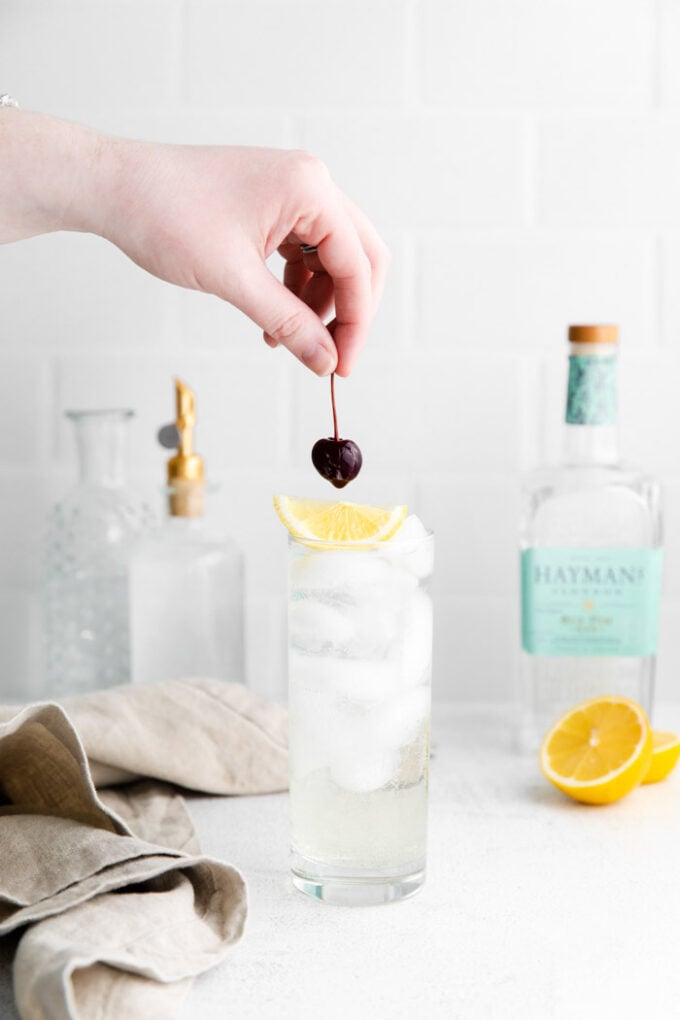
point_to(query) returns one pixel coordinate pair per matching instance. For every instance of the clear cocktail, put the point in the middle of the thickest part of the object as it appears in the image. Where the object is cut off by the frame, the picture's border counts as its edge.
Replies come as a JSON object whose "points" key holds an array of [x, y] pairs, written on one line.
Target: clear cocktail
{"points": [[360, 644]]}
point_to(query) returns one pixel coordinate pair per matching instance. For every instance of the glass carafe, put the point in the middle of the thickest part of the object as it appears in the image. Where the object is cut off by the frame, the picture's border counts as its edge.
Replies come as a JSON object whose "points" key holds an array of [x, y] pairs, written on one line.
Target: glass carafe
{"points": [[186, 597], [90, 533]]}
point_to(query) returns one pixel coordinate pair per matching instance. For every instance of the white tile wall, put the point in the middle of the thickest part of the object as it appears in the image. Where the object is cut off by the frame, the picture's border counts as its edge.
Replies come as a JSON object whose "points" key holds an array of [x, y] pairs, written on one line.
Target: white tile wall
{"points": [[242, 426], [618, 171], [531, 53], [73, 58], [91, 298], [407, 413], [668, 33], [497, 292], [523, 162], [344, 53], [425, 170]]}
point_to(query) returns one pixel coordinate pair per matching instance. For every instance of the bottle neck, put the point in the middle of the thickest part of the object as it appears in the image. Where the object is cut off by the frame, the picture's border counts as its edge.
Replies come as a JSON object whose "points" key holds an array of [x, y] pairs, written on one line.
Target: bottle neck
{"points": [[101, 442], [591, 445], [591, 435]]}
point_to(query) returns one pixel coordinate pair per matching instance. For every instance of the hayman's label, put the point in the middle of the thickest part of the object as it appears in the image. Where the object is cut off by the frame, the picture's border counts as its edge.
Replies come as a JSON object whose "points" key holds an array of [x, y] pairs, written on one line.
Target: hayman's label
{"points": [[591, 601], [591, 392]]}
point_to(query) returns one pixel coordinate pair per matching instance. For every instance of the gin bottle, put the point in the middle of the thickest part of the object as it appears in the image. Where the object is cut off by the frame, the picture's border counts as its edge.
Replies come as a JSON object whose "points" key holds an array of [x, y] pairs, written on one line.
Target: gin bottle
{"points": [[591, 555]]}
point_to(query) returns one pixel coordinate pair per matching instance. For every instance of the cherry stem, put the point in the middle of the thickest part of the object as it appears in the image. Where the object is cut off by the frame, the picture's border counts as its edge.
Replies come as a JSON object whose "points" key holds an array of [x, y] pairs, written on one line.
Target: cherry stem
{"points": [[335, 413]]}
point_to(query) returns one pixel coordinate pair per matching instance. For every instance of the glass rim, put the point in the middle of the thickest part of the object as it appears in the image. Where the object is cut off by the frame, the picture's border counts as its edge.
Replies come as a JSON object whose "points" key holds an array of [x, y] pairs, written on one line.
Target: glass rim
{"points": [[100, 412], [395, 543]]}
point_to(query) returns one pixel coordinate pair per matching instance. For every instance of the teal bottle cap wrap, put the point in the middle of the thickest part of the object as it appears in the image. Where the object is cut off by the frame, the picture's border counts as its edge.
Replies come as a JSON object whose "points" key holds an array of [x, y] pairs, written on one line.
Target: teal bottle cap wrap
{"points": [[591, 392]]}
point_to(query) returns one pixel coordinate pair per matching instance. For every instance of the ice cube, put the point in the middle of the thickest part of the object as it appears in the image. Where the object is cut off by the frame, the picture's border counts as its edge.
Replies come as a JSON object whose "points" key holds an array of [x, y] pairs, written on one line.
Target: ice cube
{"points": [[375, 629], [315, 626], [413, 548], [362, 771], [399, 721], [416, 641], [306, 756], [317, 570], [377, 609], [412, 529], [306, 673], [362, 681], [323, 571], [309, 721]]}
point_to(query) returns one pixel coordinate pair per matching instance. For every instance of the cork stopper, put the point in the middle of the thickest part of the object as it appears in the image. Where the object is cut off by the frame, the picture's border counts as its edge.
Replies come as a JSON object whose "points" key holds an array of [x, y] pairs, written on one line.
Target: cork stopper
{"points": [[186, 498], [593, 334]]}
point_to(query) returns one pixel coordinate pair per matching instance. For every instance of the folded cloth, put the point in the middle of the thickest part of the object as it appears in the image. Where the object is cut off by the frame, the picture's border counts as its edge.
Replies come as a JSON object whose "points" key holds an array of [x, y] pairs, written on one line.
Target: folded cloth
{"points": [[117, 906]]}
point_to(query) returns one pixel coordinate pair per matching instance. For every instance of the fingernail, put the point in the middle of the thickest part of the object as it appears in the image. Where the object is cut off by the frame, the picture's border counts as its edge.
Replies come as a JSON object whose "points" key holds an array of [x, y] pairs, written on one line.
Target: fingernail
{"points": [[318, 359]]}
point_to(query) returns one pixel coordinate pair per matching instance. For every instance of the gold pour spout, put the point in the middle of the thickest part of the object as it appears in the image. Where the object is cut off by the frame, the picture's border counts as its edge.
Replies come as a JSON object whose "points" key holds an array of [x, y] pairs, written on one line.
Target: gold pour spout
{"points": [[185, 469], [186, 417]]}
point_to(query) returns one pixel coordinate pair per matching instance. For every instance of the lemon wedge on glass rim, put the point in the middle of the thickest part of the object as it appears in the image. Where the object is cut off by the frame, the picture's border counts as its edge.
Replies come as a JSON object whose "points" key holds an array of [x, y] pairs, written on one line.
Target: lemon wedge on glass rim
{"points": [[598, 751], [330, 521]]}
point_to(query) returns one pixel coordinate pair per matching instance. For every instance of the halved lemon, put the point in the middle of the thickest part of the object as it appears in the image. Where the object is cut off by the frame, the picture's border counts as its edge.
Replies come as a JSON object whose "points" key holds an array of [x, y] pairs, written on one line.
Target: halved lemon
{"points": [[665, 754], [598, 751], [328, 521]]}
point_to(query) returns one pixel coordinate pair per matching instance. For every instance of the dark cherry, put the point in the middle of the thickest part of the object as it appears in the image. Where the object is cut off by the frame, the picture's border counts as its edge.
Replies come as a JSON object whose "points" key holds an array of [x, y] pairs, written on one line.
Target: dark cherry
{"points": [[338, 460]]}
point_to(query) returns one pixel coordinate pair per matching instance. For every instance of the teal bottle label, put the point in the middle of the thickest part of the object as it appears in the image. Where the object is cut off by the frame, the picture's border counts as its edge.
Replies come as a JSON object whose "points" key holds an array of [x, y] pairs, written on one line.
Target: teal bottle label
{"points": [[591, 601], [591, 392]]}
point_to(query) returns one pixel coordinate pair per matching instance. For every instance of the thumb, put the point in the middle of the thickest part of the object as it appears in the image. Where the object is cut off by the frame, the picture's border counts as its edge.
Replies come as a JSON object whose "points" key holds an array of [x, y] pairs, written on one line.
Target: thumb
{"points": [[285, 319]]}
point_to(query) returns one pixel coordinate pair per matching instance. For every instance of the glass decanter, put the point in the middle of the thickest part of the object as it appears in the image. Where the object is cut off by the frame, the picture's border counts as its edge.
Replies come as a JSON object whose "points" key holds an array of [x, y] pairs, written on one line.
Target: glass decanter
{"points": [[187, 576], [90, 534]]}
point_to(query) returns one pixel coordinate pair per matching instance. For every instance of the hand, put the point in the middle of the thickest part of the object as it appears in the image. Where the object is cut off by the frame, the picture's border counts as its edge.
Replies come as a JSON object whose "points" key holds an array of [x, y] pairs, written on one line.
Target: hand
{"points": [[208, 218]]}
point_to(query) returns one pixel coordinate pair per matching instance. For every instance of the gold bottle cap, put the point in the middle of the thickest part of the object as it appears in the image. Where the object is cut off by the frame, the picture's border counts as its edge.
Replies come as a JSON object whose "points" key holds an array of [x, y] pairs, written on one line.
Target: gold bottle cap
{"points": [[185, 470], [593, 334]]}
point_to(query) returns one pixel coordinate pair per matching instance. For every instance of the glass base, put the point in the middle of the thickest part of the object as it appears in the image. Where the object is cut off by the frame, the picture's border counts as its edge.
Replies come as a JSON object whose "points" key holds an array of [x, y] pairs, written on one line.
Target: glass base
{"points": [[356, 890]]}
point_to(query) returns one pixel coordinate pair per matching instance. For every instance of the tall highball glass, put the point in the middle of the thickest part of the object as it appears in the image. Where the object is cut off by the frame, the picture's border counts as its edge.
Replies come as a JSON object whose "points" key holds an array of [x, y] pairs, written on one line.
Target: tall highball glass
{"points": [[360, 654]]}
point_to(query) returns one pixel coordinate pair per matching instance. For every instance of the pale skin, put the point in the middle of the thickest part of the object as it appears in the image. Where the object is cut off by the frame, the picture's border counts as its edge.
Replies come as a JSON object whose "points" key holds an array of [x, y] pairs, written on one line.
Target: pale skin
{"points": [[207, 218]]}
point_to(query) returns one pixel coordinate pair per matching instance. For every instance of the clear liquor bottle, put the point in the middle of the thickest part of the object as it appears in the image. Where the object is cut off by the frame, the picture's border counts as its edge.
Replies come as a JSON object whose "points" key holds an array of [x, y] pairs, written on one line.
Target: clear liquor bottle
{"points": [[186, 577], [89, 537], [591, 556]]}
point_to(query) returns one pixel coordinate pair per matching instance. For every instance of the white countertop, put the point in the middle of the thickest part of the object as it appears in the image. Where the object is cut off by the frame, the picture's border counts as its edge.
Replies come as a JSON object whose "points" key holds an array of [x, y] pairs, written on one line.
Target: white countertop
{"points": [[534, 907]]}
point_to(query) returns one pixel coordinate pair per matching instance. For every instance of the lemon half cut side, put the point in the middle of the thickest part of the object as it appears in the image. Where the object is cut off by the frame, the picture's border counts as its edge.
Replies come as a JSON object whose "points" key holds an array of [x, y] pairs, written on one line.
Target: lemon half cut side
{"points": [[598, 751]]}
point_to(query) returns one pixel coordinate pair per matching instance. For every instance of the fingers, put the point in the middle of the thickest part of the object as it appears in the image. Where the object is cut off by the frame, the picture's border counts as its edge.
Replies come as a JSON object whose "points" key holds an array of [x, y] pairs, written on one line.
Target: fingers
{"points": [[342, 256], [376, 250], [295, 273], [318, 294], [348, 271], [305, 277], [345, 273], [284, 318]]}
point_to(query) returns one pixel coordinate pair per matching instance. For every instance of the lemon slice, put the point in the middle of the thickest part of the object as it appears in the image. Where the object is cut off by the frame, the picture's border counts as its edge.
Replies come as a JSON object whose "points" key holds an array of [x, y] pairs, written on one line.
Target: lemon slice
{"points": [[598, 751], [339, 522], [665, 754]]}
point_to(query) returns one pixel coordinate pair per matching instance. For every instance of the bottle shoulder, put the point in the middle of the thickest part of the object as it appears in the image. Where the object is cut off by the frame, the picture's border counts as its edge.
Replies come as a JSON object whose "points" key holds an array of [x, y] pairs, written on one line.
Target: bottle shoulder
{"points": [[600, 505], [575, 477], [185, 538], [115, 515]]}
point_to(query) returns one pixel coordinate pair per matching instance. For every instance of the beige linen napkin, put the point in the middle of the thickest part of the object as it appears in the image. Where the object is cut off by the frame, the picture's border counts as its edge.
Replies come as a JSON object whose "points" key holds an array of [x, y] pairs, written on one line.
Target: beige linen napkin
{"points": [[119, 909]]}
